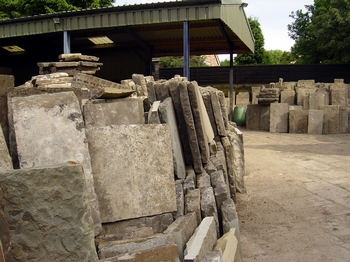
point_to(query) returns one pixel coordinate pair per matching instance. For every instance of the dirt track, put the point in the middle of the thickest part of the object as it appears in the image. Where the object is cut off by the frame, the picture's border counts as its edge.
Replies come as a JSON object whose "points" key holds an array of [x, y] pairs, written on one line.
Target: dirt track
{"points": [[297, 206]]}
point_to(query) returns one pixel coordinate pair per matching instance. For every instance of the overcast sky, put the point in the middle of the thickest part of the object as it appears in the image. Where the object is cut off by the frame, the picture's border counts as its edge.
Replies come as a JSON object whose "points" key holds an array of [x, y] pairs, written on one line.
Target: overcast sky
{"points": [[273, 16]]}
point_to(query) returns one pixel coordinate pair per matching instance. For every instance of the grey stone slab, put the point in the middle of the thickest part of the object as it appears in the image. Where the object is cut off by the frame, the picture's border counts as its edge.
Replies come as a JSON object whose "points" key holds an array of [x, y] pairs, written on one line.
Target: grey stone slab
{"points": [[5, 238], [151, 91], [49, 214], [331, 119], [221, 191], [323, 99], [309, 83], [313, 100], [189, 183], [6, 82], [144, 153], [295, 108], [207, 102], [198, 118], [202, 241], [190, 127], [230, 167], [315, 122], [167, 115], [279, 113], [242, 99], [153, 114], [298, 121], [162, 90], [125, 111], [219, 120], [182, 229], [220, 154], [203, 181], [140, 80], [193, 203], [338, 96], [255, 92], [301, 92], [229, 245], [213, 256], [253, 117], [344, 119], [223, 106], [265, 118], [208, 206], [48, 130], [288, 96], [5, 159], [180, 199], [306, 102]]}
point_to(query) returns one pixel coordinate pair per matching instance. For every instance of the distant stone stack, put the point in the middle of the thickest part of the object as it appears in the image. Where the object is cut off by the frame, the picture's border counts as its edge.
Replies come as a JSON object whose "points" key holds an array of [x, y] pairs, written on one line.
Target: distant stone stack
{"points": [[71, 64], [268, 96]]}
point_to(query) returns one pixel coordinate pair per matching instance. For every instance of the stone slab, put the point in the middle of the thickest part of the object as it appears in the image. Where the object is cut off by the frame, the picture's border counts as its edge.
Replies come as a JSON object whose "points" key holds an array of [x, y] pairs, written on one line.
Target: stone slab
{"points": [[221, 191], [298, 121], [5, 238], [219, 120], [140, 80], [5, 159], [279, 113], [213, 256], [301, 92], [208, 206], [162, 90], [151, 91], [48, 130], [124, 111], [229, 217], [49, 214], [255, 92], [331, 119], [315, 122], [207, 102], [313, 100], [223, 106], [6, 82], [265, 118], [344, 119], [128, 162], [253, 117], [242, 99], [193, 203], [230, 167], [202, 241], [229, 246], [153, 114], [77, 57], [288, 96], [180, 199]]}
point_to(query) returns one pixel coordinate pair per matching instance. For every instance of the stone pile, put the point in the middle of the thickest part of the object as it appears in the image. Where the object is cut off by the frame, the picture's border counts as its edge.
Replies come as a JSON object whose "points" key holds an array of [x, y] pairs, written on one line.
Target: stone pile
{"points": [[150, 174], [304, 107], [267, 96]]}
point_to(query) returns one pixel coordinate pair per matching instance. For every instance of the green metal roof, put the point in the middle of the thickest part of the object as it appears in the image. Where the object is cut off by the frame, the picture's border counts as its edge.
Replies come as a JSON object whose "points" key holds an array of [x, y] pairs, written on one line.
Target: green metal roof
{"points": [[156, 27]]}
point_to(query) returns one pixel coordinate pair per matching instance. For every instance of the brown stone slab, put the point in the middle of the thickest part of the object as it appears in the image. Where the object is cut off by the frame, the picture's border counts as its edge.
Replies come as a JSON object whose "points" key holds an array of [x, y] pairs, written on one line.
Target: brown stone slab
{"points": [[279, 114], [331, 119], [253, 117], [219, 120], [298, 121]]}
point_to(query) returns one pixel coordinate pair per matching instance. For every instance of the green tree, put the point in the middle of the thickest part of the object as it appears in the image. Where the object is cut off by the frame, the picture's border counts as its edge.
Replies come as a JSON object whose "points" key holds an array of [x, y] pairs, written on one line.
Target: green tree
{"points": [[178, 61], [322, 33], [259, 56], [279, 57], [20, 8]]}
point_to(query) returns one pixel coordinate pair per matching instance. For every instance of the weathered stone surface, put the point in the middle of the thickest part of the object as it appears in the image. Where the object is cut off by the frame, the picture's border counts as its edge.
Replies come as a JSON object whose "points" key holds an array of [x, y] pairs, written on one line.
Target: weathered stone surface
{"points": [[265, 118], [219, 120], [203, 181], [141, 81], [77, 57], [242, 99], [202, 241], [193, 203], [255, 93], [313, 100], [229, 246], [182, 229], [279, 113], [207, 102], [189, 182], [5, 239], [126, 111], [190, 127], [208, 206], [180, 199], [306, 102], [315, 122], [6, 82], [331, 119], [298, 121], [344, 120], [230, 167], [223, 106], [160, 247], [139, 193], [220, 154], [309, 83], [213, 256], [151, 91], [221, 190], [253, 117], [162, 90], [338, 94], [210, 167], [122, 229], [5, 159], [49, 214], [301, 92], [229, 217], [167, 115], [288, 96], [175, 96], [230, 110], [153, 114], [295, 108], [198, 117], [48, 130]]}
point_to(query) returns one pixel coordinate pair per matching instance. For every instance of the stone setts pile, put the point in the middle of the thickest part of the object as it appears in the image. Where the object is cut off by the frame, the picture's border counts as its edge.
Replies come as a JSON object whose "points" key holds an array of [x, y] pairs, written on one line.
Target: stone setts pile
{"points": [[143, 170], [303, 107]]}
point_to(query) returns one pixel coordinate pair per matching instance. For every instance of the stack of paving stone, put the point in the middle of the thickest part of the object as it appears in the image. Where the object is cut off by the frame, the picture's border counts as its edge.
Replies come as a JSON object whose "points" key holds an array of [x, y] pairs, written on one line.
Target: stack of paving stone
{"points": [[268, 96], [71, 63], [150, 175]]}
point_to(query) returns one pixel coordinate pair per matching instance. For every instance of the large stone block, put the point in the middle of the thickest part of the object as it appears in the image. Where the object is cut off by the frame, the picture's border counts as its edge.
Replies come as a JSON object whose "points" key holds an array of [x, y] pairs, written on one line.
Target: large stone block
{"points": [[208, 206], [133, 170], [5, 159], [298, 121], [180, 199], [255, 93], [315, 122], [242, 99], [331, 119], [48, 129], [338, 94], [208, 106], [344, 119], [162, 90], [182, 229], [229, 246], [301, 92], [221, 191], [279, 114], [6, 82], [140, 80], [265, 118], [202, 241], [288, 96], [49, 214], [253, 117], [193, 203], [219, 120], [126, 111], [229, 217]]}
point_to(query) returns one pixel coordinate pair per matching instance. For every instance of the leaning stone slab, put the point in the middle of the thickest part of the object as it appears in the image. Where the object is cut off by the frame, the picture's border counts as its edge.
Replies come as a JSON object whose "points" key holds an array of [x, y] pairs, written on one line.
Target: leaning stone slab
{"points": [[255, 92], [49, 214], [202, 241], [5, 238], [207, 102], [219, 120], [182, 230], [124, 111], [180, 199], [140, 80], [203, 181], [5, 159], [338, 94], [193, 203], [48, 130], [148, 188], [160, 247], [162, 90], [189, 182], [315, 122], [151, 92], [208, 206], [331, 119], [221, 192], [229, 246], [298, 121], [229, 217], [223, 106], [253, 117], [231, 183], [279, 113]]}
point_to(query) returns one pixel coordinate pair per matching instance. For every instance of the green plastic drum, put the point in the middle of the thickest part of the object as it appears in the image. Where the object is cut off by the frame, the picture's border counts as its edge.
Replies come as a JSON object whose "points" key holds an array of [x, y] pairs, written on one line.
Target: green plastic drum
{"points": [[239, 115]]}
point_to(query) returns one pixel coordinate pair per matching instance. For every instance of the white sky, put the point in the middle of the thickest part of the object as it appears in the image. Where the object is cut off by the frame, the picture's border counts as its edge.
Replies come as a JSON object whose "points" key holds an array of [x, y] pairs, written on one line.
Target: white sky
{"points": [[273, 16]]}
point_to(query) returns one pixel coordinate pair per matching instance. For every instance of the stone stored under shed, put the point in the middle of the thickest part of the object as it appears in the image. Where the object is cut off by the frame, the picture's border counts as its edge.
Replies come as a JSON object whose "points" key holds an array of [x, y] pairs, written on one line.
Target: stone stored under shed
{"points": [[141, 184], [5, 159]]}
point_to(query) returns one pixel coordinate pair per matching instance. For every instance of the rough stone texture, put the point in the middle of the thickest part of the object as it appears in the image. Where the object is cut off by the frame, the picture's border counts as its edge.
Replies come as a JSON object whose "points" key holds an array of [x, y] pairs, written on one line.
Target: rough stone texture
{"points": [[5, 239], [190, 127], [153, 114], [202, 241], [265, 118], [210, 167], [124, 111], [219, 120], [193, 203], [213, 256], [301, 92], [122, 229], [223, 106], [313, 100], [288, 96], [77, 57], [315, 122], [220, 154], [162, 90], [151, 91], [208, 206], [331, 119], [229, 246], [255, 93], [48, 130], [182, 229], [295, 108], [180, 199], [242, 99], [253, 117], [5, 159], [207, 102], [198, 117], [338, 94], [221, 192], [230, 167], [160, 247], [306, 102], [49, 214], [233, 103], [309, 83], [141, 81], [298, 121], [189, 182], [167, 115], [6, 82], [148, 188], [229, 217], [203, 181], [344, 120], [175, 96], [279, 113]]}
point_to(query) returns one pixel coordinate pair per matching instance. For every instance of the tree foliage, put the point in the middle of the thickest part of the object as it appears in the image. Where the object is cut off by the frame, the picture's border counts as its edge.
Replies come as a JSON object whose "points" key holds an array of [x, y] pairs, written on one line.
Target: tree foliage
{"points": [[178, 61], [21, 8], [322, 33]]}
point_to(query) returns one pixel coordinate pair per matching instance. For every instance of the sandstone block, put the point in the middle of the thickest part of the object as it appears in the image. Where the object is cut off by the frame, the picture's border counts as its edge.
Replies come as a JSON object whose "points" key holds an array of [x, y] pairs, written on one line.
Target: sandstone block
{"points": [[49, 214], [229, 246], [315, 122], [229, 217], [193, 203], [279, 113], [6, 82], [223, 106], [221, 192], [331, 119], [213, 256], [151, 91], [77, 57], [298, 121], [162, 90], [5, 159], [153, 114], [288, 96], [344, 119], [242, 99], [265, 118], [208, 105], [231, 183], [255, 93], [141, 81], [219, 120], [253, 117], [180, 199], [208, 206], [139, 193], [5, 239], [313, 100], [189, 182]]}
